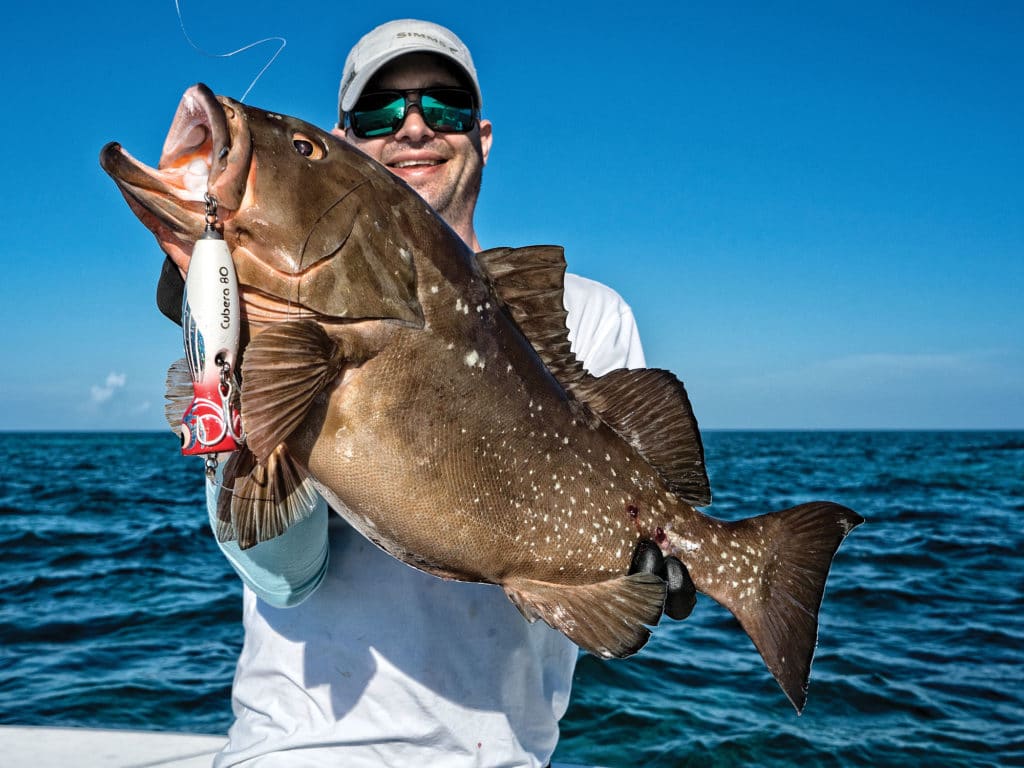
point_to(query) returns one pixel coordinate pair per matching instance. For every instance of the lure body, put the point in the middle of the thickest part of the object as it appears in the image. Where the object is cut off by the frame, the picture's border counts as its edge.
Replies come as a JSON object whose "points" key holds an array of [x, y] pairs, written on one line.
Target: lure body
{"points": [[210, 322]]}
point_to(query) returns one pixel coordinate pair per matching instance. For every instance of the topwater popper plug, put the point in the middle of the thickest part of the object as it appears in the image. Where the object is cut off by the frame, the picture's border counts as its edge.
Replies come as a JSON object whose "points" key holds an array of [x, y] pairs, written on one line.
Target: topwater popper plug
{"points": [[210, 320]]}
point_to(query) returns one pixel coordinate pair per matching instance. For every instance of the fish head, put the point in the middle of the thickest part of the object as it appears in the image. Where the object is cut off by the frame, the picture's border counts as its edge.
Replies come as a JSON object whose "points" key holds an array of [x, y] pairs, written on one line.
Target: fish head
{"points": [[315, 227]]}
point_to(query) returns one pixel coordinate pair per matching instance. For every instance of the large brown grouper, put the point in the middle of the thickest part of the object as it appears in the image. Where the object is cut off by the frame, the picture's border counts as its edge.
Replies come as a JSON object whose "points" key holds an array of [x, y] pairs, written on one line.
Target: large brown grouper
{"points": [[430, 394]]}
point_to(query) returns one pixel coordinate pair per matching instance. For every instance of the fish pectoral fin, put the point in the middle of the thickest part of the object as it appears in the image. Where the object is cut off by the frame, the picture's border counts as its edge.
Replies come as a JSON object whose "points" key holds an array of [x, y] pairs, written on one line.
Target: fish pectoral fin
{"points": [[606, 618], [284, 369], [259, 502], [179, 393]]}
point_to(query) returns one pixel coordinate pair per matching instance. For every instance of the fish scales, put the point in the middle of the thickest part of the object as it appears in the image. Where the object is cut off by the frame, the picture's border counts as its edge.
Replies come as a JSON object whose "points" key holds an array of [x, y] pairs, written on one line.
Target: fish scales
{"points": [[549, 501], [430, 395]]}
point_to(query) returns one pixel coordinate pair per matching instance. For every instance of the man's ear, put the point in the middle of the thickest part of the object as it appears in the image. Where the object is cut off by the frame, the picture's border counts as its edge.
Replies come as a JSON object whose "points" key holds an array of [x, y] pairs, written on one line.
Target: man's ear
{"points": [[339, 132], [486, 137]]}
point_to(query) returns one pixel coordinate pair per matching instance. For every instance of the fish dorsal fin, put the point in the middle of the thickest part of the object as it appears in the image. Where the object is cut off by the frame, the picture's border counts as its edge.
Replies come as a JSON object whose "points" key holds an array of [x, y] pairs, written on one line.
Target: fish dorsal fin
{"points": [[261, 501], [648, 408], [530, 283], [606, 618], [284, 369]]}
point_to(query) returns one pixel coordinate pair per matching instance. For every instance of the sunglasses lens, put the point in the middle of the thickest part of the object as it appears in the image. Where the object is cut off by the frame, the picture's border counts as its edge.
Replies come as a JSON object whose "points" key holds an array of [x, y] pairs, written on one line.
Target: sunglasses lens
{"points": [[448, 110], [378, 114]]}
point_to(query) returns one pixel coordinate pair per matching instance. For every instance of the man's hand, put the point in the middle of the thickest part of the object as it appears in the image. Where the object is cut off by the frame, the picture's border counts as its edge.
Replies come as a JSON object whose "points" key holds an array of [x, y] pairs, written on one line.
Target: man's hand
{"points": [[682, 595]]}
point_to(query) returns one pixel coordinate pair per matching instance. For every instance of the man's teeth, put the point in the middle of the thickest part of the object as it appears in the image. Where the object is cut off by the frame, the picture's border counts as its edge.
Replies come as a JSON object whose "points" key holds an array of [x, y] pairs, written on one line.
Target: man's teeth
{"points": [[414, 163]]}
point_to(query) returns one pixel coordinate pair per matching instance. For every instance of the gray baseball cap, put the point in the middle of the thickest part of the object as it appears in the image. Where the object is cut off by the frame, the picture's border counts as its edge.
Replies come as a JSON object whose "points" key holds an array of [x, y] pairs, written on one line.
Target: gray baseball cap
{"points": [[396, 38]]}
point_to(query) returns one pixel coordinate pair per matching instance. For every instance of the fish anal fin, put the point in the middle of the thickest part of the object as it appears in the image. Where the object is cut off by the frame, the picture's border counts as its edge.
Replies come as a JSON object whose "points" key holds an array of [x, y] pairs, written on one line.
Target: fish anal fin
{"points": [[284, 368], [261, 501], [605, 618], [773, 580], [649, 409]]}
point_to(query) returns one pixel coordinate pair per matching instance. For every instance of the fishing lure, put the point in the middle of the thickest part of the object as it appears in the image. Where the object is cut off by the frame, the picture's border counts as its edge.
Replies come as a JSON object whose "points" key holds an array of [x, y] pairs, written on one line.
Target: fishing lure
{"points": [[210, 321]]}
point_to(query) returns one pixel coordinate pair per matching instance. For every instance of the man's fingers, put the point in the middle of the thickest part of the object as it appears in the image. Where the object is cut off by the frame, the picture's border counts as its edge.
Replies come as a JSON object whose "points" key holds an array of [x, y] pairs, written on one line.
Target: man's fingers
{"points": [[647, 558], [682, 595]]}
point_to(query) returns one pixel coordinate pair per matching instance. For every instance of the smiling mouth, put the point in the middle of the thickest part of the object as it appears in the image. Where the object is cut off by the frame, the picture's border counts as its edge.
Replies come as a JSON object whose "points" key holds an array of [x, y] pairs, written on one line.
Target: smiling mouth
{"points": [[416, 163]]}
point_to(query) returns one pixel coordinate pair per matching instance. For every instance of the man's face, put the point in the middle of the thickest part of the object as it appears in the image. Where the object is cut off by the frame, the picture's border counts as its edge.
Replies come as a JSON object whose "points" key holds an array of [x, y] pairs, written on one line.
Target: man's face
{"points": [[444, 168]]}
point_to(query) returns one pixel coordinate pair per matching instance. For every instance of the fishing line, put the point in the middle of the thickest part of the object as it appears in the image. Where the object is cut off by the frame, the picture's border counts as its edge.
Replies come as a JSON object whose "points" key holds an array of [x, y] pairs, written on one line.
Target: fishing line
{"points": [[281, 40]]}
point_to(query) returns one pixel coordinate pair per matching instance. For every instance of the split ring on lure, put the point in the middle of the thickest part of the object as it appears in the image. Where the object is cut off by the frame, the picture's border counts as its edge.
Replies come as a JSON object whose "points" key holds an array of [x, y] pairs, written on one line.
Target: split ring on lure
{"points": [[210, 320]]}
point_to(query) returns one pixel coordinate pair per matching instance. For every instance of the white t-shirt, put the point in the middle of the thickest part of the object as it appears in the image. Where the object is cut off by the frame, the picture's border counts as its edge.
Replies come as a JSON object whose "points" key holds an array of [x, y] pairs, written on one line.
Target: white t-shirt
{"points": [[380, 664]]}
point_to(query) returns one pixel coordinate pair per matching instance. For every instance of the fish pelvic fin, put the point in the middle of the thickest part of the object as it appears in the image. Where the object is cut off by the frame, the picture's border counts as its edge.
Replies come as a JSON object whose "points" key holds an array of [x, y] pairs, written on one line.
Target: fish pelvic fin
{"points": [[770, 572], [261, 501], [284, 369], [606, 618]]}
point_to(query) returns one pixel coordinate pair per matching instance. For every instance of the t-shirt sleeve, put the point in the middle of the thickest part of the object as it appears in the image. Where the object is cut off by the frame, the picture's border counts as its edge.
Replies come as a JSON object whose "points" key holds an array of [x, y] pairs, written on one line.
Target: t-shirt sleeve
{"points": [[602, 330], [285, 570]]}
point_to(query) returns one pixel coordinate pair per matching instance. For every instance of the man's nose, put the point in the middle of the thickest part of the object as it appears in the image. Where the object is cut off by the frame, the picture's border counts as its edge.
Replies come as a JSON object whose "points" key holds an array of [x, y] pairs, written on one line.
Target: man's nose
{"points": [[415, 128]]}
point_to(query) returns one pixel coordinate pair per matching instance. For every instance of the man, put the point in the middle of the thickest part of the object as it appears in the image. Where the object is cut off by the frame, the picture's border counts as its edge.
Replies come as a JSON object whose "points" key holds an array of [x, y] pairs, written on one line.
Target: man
{"points": [[352, 658]]}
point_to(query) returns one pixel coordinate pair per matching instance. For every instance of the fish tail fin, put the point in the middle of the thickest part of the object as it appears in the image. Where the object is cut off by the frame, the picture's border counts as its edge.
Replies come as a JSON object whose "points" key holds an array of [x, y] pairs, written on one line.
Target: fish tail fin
{"points": [[770, 572]]}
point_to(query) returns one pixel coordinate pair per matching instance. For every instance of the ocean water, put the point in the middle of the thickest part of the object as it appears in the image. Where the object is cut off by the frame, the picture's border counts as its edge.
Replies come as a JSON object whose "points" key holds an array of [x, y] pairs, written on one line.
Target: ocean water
{"points": [[117, 610]]}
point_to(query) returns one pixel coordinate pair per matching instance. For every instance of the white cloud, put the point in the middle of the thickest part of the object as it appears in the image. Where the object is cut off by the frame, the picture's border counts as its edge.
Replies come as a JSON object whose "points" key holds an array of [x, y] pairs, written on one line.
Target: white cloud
{"points": [[114, 382]]}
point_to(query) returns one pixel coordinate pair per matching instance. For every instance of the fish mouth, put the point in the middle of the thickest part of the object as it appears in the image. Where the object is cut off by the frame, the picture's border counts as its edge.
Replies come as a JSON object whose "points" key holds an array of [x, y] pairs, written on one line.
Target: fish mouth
{"points": [[207, 152]]}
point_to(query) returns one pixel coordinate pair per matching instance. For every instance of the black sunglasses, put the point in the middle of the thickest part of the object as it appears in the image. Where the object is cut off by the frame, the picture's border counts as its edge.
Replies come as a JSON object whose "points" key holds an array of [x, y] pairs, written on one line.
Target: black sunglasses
{"points": [[447, 110]]}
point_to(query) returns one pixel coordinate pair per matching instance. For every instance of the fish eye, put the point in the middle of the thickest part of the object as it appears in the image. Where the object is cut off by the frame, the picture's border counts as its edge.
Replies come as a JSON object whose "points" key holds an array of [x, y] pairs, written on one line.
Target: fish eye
{"points": [[307, 146]]}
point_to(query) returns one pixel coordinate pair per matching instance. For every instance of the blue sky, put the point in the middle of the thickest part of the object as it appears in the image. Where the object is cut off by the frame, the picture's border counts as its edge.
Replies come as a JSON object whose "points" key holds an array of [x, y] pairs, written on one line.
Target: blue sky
{"points": [[816, 210]]}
